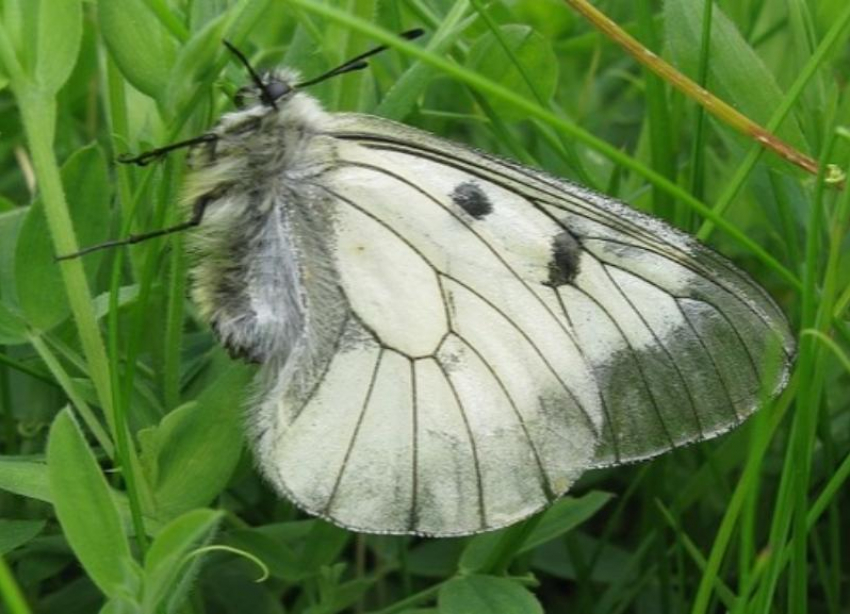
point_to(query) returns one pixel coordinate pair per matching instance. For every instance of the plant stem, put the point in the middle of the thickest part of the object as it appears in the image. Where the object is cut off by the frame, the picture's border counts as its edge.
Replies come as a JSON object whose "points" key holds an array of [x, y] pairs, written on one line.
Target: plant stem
{"points": [[11, 592]]}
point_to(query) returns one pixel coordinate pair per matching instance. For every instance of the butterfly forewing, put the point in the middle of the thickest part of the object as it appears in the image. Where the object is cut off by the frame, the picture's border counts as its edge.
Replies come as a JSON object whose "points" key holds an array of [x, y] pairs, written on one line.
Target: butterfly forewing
{"points": [[477, 334]]}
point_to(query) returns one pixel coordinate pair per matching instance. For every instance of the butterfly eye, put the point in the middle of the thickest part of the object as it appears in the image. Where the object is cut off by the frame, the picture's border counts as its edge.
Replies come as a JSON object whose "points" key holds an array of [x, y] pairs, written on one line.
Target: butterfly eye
{"points": [[277, 89]]}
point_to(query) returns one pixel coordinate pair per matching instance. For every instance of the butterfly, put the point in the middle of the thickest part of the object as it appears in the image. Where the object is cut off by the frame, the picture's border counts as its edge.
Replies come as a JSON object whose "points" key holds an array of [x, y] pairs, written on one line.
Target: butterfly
{"points": [[447, 339]]}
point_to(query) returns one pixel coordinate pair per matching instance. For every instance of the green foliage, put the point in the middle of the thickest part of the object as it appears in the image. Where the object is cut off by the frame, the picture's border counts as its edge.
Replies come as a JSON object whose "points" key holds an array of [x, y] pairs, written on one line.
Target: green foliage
{"points": [[189, 456], [736, 73], [86, 184], [84, 506], [520, 59], [124, 486], [139, 44], [486, 595]]}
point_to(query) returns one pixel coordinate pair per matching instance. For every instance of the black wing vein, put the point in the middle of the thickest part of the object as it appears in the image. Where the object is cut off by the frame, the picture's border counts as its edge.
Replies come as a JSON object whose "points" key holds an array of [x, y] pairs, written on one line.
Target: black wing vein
{"points": [[356, 431], [483, 298], [481, 506], [660, 345], [544, 481]]}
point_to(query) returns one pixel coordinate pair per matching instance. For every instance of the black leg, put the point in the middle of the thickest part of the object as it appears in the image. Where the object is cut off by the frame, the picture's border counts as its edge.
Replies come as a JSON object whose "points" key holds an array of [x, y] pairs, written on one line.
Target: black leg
{"points": [[146, 157], [195, 220]]}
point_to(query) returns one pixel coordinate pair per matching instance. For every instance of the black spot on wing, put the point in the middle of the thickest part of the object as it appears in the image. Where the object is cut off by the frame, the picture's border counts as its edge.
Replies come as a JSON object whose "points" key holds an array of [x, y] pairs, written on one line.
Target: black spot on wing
{"points": [[566, 258], [472, 199]]}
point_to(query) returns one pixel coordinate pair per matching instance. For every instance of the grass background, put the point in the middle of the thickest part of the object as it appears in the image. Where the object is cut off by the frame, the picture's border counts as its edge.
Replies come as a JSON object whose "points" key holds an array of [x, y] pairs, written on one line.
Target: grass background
{"points": [[124, 486]]}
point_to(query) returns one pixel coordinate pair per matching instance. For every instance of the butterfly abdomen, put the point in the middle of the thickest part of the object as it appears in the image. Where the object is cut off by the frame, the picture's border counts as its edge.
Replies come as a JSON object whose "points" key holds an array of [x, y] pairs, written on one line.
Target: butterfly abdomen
{"points": [[245, 275]]}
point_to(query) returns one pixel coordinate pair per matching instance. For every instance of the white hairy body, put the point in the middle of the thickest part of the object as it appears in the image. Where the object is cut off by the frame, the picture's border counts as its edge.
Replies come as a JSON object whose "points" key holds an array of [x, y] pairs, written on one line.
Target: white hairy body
{"points": [[448, 340]]}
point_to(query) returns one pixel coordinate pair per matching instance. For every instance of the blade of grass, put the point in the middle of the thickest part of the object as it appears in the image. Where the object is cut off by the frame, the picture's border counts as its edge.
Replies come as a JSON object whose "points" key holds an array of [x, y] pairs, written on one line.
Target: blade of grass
{"points": [[175, 313], [70, 389], [137, 488], [832, 37], [791, 505], [697, 166], [817, 309], [657, 119], [168, 19], [787, 223], [512, 540], [830, 491], [723, 591], [11, 591], [561, 145], [725, 112], [400, 99], [349, 89], [762, 435], [22, 368]]}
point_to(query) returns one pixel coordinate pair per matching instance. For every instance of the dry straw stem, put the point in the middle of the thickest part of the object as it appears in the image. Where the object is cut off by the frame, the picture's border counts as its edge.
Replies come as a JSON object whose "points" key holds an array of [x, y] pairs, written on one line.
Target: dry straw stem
{"points": [[709, 101]]}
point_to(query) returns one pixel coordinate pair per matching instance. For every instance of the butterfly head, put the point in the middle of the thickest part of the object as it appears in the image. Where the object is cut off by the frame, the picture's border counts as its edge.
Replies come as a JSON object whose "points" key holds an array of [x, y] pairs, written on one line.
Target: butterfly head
{"points": [[274, 87]]}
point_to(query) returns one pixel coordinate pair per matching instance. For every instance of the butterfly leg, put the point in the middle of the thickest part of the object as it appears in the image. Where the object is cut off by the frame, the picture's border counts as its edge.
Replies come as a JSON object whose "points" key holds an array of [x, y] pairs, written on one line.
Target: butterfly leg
{"points": [[195, 220], [146, 157]]}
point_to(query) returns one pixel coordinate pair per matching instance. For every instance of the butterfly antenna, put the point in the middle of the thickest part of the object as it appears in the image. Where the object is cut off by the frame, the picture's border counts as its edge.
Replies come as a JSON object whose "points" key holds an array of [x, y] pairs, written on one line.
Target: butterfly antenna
{"points": [[359, 62], [265, 96]]}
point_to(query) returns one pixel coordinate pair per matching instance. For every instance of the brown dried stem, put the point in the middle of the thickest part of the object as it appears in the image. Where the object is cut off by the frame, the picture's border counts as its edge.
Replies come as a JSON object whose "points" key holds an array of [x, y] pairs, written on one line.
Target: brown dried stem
{"points": [[691, 89]]}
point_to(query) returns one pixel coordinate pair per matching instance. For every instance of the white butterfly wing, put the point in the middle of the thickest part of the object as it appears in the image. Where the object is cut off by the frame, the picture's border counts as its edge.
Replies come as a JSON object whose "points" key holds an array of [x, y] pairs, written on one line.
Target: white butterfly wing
{"points": [[506, 331]]}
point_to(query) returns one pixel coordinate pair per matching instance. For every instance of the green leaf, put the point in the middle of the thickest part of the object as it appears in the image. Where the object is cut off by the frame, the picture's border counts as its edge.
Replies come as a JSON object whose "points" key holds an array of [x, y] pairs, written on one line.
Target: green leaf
{"points": [[58, 35], [195, 62], [191, 454], [435, 558], [234, 589], [248, 14], [735, 73], [546, 16], [203, 12], [170, 566], [121, 605], [562, 517], [37, 274], [611, 563], [272, 549], [334, 595], [486, 595], [337, 597], [127, 295], [10, 227], [323, 545], [27, 478], [12, 327], [85, 508], [142, 47], [14, 533], [294, 550], [516, 58], [401, 97]]}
